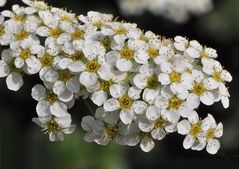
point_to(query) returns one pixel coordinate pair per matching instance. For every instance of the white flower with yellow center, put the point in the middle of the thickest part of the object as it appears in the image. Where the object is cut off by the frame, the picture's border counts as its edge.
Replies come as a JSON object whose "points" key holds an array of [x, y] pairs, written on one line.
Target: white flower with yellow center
{"points": [[192, 128], [180, 43], [8, 69], [158, 123], [211, 132], [96, 19], [200, 91], [55, 126], [174, 105], [48, 102], [146, 78], [124, 99], [218, 78]]}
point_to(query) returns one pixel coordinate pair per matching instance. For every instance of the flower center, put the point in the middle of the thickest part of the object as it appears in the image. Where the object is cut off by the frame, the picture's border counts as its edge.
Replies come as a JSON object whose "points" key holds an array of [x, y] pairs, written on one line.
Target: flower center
{"points": [[19, 18], [98, 24], [217, 76], [52, 126], [78, 34], [106, 42], [195, 130], [2, 31], [198, 89], [65, 75], [51, 97], [78, 56], [125, 102], [105, 85], [121, 30], [46, 60], [25, 53], [66, 18], [152, 52], [210, 134], [174, 77], [55, 33], [204, 54], [152, 82], [160, 123], [92, 66], [111, 132], [126, 53], [174, 103], [21, 35]]}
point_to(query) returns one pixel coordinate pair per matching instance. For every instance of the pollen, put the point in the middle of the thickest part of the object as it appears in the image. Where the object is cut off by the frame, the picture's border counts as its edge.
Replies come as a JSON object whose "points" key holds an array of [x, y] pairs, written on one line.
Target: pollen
{"points": [[52, 126], [20, 18], [125, 102], [66, 18], [21, 35], [55, 33], [51, 97], [174, 77], [78, 56], [152, 82], [174, 103], [160, 123], [121, 31], [2, 31], [199, 89], [65, 75], [92, 66], [106, 42], [111, 132], [210, 134], [46, 60], [217, 76], [126, 53], [25, 53], [195, 130], [105, 85], [204, 54], [98, 24], [78, 34], [152, 52]]}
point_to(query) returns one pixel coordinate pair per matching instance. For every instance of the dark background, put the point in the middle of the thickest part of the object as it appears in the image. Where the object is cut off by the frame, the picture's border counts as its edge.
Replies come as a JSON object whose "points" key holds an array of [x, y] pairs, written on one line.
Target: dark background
{"points": [[24, 146]]}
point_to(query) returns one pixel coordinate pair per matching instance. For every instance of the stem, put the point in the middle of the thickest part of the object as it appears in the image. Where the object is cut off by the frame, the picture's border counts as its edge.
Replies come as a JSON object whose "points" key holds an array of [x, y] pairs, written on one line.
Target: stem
{"points": [[89, 107]]}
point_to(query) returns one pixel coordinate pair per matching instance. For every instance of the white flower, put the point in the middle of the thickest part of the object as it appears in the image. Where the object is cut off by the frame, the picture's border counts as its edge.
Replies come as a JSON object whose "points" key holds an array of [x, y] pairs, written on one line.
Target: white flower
{"points": [[55, 126], [158, 122], [211, 131], [48, 102], [124, 99], [191, 128], [3, 2], [200, 91], [14, 78]]}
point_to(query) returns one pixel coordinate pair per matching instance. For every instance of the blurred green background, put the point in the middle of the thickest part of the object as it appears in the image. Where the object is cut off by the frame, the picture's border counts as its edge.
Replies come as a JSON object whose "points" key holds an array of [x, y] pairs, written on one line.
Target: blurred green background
{"points": [[24, 146]]}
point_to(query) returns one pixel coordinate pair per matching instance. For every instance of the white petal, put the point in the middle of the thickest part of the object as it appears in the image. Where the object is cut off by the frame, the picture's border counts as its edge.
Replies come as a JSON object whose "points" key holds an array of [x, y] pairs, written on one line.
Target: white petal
{"points": [[193, 117], [207, 98], [43, 109], [219, 130], [76, 67], [73, 85], [199, 146], [99, 97], [193, 101], [126, 116], [88, 79], [4, 70], [158, 133], [55, 136], [184, 127], [111, 104], [66, 96], [188, 142], [140, 81], [134, 92], [14, 81], [139, 107], [145, 125], [225, 102], [124, 65], [213, 146], [59, 87], [163, 78], [117, 90], [153, 113], [38, 92], [193, 53], [19, 62], [161, 102], [58, 109], [210, 83], [147, 144]]}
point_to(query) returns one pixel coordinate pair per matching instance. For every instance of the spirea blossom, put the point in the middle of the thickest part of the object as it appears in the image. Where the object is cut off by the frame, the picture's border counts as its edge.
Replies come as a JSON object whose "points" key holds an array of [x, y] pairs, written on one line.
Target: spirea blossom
{"points": [[176, 10], [144, 86]]}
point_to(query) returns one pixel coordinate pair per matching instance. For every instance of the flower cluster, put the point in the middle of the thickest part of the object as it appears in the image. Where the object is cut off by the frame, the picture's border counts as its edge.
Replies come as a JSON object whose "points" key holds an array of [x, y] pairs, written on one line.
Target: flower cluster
{"points": [[145, 86], [178, 11]]}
